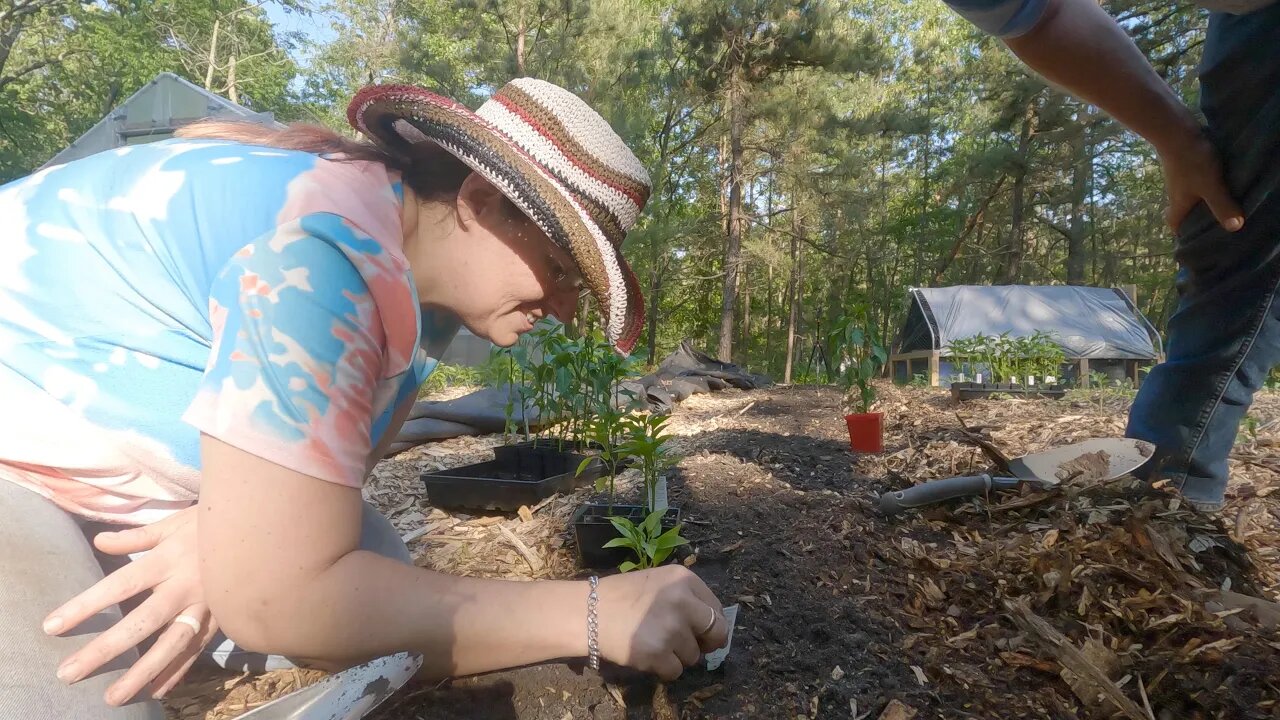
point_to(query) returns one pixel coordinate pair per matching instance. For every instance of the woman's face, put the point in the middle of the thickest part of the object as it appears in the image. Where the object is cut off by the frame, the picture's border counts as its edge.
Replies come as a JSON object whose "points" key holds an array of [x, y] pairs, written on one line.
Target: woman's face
{"points": [[500, 273]]}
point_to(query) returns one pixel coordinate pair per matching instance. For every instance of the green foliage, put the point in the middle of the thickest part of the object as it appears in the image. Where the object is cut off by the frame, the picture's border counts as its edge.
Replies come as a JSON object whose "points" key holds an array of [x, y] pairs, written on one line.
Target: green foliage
{"points": [[1009, 359], [919, 381], [648, 543], [1272, 382], [71, 63], [1104, 392], [862, 358], [1248, 430], [447, 376], [646, 442], [884, 144]]}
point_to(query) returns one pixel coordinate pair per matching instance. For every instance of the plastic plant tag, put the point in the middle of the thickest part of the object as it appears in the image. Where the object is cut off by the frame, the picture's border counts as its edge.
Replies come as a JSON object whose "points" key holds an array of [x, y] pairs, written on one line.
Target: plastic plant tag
{"points": [[978, 378], [1031, 381], [1050, 380], [716, 659]]}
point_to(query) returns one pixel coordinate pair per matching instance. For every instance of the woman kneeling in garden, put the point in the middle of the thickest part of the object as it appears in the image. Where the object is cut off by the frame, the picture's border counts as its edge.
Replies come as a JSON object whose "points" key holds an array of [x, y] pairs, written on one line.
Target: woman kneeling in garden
{"points": [[214, 338]]}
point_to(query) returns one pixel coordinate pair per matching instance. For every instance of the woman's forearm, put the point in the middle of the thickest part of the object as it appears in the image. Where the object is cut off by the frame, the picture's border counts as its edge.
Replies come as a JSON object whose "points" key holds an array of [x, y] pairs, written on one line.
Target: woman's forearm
{"points": [[366, 605], [1080, 48]]}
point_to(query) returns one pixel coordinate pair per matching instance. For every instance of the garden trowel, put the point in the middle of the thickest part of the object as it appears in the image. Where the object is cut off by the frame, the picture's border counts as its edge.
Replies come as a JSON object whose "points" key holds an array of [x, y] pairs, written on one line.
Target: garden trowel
{"points": [[1088, 461], [348, 695]]}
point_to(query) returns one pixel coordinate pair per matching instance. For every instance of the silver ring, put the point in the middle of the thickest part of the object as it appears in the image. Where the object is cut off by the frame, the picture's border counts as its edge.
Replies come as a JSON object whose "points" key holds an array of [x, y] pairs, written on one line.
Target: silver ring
{"points": [[190, 622], [711, 624]]}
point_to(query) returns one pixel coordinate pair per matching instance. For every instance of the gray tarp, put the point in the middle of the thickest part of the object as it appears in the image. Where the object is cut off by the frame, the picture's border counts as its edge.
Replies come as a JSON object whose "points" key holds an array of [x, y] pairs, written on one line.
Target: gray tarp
{"points": [[1087, 322]]}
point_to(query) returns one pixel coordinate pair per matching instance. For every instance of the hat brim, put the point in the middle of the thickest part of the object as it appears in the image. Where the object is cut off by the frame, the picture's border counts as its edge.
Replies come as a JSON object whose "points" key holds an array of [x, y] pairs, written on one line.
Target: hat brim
{"points": [[428, 117]]}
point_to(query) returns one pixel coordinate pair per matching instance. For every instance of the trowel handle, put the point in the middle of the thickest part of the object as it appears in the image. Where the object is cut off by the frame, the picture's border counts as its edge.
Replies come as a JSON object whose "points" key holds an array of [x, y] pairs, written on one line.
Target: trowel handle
{"points": [[934, 491]]}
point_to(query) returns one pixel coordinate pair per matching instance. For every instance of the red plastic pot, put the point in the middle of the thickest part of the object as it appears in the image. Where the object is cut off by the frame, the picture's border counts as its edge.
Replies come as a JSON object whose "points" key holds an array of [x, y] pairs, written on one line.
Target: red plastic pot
{"points": [[866, 432]]}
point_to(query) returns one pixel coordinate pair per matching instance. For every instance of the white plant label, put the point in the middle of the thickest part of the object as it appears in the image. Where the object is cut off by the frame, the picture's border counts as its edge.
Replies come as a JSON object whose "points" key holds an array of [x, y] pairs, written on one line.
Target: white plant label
{"points": [[716, 659]]}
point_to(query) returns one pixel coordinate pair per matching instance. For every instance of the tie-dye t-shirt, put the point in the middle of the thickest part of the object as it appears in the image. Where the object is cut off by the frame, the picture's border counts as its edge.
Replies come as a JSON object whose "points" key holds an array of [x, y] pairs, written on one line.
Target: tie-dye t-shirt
{"points": [[152, 293]]}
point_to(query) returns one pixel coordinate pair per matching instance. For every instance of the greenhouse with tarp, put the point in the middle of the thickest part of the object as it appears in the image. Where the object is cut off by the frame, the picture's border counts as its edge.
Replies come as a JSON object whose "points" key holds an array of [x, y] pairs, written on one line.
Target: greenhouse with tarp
{"points": [[1100, 330]]}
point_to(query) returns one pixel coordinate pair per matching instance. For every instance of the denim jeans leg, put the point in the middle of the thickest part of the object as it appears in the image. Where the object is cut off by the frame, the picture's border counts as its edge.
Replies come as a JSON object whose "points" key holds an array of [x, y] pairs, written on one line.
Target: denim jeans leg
{"points": [[1224, 339]]}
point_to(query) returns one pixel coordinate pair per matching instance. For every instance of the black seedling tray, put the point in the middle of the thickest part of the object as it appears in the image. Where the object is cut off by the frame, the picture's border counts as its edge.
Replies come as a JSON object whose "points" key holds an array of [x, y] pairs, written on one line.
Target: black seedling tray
{"points": [[542, 456], [979, 391], [507, 482], [592, 529]]}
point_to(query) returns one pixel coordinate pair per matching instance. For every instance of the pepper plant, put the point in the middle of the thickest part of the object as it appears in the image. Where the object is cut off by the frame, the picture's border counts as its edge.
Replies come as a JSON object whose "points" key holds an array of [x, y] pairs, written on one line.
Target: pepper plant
{"points": [[647, 541], [645, 441], [862, 359]]}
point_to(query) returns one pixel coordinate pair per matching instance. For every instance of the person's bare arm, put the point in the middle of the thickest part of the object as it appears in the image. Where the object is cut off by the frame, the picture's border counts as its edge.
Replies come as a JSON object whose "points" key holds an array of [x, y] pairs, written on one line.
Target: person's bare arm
{"points": [[1079, 47], [282, 574]]}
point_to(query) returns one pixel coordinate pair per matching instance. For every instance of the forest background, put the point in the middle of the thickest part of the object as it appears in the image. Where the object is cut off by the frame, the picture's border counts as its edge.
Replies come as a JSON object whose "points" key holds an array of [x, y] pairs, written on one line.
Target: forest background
{"points": [[811, 159]]}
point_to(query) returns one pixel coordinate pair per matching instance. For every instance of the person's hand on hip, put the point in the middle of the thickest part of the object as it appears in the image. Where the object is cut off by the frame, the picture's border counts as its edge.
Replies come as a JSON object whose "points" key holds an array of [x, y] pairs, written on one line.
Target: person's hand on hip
{"points": [[1193, 173], [169, 569]]}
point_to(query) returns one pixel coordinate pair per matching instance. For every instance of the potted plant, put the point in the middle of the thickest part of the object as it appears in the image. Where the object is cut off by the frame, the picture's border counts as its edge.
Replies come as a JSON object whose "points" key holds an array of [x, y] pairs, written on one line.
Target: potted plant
{"points": [[862, 359], [629, 537]]}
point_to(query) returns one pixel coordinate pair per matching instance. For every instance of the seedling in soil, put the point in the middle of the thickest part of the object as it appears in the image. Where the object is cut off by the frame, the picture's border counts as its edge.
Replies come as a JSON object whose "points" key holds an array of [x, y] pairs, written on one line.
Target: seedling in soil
{"points": [[646, 541]]}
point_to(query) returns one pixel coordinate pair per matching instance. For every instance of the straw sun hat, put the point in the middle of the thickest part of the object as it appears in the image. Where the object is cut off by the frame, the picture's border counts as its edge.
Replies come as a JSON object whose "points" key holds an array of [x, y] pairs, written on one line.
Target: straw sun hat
{"points": [[553, 156]]}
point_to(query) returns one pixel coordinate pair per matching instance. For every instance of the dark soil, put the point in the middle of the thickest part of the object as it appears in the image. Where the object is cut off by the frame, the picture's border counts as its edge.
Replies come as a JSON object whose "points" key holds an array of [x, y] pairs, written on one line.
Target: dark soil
{"points": [[843, 611]]}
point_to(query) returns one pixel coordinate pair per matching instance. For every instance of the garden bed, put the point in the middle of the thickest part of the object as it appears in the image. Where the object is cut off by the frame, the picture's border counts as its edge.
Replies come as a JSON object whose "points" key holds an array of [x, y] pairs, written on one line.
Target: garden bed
{"points": [[843, 611]]}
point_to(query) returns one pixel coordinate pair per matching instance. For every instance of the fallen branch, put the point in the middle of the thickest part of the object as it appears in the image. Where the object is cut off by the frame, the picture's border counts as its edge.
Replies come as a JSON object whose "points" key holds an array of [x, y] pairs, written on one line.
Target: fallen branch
{"points": [[1071, 658], [535, 563]]}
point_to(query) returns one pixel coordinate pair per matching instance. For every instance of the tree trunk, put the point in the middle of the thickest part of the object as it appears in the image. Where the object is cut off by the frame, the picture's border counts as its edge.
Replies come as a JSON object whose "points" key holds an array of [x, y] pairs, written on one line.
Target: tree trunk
{"points": [[213, 56], [7, 40], [768, 322], [793, 288], [922, 221], [1017, 226], [768, 307], [232, 91], [521, 30], [1080, 181], [733, 251], [655, 284]]}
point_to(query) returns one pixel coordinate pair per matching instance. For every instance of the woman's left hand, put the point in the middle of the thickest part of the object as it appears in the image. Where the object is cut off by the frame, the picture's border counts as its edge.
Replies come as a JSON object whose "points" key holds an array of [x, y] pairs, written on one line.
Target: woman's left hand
{"points": [[170, 571]]}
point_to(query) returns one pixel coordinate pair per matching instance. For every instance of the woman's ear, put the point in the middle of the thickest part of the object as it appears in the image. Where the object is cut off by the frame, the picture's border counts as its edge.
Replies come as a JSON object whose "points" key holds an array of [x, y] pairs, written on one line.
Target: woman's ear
{"points": [[477, 198]]}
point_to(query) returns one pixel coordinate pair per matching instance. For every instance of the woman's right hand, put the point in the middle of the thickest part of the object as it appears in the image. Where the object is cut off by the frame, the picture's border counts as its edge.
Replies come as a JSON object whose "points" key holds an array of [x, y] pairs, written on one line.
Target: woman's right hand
{"points": [[657, 620]]}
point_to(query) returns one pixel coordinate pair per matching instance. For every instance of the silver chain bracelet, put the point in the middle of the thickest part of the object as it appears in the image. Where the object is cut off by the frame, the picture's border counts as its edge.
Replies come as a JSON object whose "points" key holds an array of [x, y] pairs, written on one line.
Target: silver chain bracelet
{"points": [[593, 625]]}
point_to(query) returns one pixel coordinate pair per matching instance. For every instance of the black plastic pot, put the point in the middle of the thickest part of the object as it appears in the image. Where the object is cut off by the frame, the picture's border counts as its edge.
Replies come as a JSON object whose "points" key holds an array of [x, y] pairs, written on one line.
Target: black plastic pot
{"points": [[509, 481], [592, 529]]}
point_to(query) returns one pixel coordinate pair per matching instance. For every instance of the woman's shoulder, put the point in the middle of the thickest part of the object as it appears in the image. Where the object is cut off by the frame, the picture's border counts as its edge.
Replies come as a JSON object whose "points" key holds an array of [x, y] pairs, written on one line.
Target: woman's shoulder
{"points": [[366, 194]]}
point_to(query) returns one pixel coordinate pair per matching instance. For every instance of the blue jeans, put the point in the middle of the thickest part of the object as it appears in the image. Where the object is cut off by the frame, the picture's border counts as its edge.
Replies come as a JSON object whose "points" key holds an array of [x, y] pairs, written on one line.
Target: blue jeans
{"points": [[1224, 337]]}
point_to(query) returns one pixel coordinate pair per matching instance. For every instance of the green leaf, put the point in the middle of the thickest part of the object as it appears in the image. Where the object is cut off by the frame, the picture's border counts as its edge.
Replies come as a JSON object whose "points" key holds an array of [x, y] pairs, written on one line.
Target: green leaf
{"points": [[671, 539], [653, 523], [662, 554], [582, 466], [619, 543], [627, 567]]}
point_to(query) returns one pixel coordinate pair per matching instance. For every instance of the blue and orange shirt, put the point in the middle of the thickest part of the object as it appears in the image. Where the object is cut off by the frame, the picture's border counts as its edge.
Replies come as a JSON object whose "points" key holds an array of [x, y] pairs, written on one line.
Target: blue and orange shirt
{"points": [[155, 292]]}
